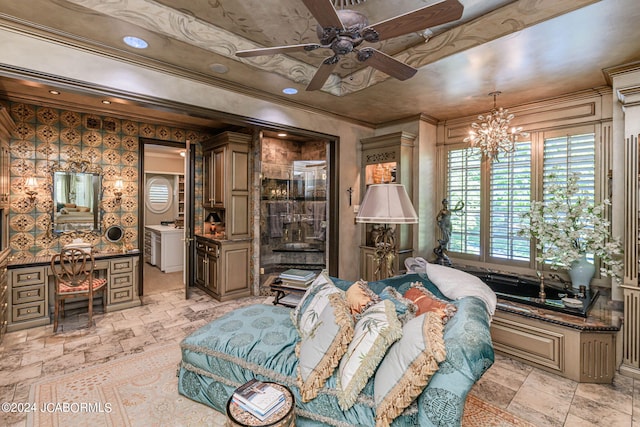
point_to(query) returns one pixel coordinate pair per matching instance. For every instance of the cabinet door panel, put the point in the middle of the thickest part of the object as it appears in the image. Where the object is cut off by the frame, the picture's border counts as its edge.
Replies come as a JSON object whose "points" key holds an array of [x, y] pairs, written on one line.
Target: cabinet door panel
{"points": [[236, 269], [240, 168]]}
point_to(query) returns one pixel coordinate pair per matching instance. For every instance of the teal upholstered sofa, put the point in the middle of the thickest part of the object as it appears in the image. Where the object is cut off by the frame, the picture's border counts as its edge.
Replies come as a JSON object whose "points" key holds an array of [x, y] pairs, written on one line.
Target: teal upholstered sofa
{"points": [[259, 341]]}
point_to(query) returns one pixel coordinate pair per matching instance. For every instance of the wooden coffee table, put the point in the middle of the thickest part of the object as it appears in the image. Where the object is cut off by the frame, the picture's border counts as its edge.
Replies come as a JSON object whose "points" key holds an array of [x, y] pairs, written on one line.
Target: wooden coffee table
{"points": [[285, 417]]}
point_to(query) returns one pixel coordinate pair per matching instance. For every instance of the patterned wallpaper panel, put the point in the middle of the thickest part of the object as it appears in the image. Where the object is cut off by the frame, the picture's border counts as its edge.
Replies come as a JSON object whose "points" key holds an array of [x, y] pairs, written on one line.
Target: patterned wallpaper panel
{"points": [[46, 137]]}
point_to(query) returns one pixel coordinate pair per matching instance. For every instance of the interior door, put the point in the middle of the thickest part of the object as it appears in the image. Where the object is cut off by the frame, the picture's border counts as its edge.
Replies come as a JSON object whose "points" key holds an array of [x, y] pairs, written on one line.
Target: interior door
{"points": [[189, 222]]}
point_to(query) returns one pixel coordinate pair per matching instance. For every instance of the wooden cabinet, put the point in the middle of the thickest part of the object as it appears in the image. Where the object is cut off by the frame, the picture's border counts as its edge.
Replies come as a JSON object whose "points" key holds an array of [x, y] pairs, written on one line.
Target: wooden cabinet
{"points": [[207, 253], [580, 355], [28, 297], [226, 170], [122, 283], [222, 268], [181, 197], [4, 293], [386, 159]]}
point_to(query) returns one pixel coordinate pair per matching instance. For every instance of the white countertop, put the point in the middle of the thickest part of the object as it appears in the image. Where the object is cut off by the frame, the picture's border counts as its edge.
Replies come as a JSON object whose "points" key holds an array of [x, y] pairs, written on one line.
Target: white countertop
{"points": [[165, 229]]}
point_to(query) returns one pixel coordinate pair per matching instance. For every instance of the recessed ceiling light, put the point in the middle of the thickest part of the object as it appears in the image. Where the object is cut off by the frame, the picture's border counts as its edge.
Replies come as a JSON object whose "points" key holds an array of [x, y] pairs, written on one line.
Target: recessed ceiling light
{"points": [[135, 42], [219, 68], [54, 92], [106, 101], [282, 134], [290, 90]]}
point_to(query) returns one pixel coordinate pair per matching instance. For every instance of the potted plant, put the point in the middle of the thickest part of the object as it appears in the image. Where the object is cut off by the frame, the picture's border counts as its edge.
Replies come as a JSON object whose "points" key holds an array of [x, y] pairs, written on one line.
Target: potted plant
{"points": [[568, 228]]}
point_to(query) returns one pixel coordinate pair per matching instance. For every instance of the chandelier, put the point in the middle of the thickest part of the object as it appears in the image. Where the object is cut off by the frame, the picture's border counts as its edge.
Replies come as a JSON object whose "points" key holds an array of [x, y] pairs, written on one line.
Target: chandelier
{"points": [[493, 135]]}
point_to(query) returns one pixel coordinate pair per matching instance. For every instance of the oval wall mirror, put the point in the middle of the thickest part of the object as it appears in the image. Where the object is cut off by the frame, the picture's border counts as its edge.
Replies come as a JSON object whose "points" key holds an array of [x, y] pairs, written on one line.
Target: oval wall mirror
{"points": [[114, 233]]}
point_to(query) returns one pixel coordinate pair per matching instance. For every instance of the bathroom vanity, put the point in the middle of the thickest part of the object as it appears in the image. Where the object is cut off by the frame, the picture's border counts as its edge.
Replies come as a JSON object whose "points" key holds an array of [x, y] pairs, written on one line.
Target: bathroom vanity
{"points": [[31, 287]]}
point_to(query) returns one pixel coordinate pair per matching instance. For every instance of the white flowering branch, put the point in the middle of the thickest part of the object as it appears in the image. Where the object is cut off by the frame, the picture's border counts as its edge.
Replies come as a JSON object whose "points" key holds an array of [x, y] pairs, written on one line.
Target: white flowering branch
{"points": [[568, 226]]}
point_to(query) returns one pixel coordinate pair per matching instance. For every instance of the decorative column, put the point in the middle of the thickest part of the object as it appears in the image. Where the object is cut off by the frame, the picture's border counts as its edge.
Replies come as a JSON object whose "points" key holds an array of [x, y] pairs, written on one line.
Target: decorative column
{"points": [[626, 83]]}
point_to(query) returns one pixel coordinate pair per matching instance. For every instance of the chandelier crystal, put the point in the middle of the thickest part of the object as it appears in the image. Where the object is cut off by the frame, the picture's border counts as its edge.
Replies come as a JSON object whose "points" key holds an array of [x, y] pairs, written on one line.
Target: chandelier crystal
{"points": [[493, 134]]}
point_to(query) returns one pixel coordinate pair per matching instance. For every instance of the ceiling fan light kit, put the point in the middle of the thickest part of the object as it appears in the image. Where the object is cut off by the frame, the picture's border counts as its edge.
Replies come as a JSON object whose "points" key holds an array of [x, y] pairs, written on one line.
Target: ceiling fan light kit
{"points": [[343, 31]]}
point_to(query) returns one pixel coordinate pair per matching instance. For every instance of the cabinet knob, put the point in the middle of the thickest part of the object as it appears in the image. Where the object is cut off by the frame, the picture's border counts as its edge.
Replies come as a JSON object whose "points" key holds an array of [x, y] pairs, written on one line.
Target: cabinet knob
{"points": [[28, 277]]}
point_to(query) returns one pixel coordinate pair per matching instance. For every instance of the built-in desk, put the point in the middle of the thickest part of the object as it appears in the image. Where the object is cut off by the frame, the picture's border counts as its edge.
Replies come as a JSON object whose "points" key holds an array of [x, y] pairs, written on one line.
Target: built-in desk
{"points": [[31, 287]]}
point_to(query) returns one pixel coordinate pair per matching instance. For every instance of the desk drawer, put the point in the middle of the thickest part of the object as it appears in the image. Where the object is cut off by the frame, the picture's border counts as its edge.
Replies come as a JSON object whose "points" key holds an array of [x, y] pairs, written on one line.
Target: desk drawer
{"points": [[119, 295], [27, 311], [27, 276], [121, 280], [123, 265], [26, 294]]}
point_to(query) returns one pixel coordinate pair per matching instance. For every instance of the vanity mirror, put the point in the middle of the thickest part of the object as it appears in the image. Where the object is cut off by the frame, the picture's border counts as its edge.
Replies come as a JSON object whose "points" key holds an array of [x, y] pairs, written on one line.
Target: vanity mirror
{"points": [[76, 201]]}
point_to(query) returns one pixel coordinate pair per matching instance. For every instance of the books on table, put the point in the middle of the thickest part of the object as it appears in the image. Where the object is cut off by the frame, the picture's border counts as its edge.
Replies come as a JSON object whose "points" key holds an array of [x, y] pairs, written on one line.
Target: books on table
{"points": [[297, 278], [259, 398]]}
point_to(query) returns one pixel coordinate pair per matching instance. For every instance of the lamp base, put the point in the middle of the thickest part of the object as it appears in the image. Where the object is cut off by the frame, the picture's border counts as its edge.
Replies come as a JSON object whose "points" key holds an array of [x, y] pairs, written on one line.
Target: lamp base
{"points": [[385, 252]]}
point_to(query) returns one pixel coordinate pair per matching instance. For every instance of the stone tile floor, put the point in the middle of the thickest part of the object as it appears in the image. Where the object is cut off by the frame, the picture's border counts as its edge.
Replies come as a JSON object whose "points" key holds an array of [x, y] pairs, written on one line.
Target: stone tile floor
{"points": [[30, 355]]}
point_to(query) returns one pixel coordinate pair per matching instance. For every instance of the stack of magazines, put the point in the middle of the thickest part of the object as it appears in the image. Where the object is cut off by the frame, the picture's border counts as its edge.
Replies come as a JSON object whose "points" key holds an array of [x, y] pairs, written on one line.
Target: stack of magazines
{"points": [[296, 278], [259, 399]]}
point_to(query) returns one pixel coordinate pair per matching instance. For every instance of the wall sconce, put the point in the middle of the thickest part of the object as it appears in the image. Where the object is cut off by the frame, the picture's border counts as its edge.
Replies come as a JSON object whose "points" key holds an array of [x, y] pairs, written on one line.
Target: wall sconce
{"points": [[31, 188], [117, 190]]}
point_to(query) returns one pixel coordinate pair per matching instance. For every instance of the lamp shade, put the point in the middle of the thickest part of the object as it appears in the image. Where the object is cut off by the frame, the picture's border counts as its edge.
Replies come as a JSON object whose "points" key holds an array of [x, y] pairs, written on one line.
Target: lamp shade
{"points": [[213, 218], [386, 204]]}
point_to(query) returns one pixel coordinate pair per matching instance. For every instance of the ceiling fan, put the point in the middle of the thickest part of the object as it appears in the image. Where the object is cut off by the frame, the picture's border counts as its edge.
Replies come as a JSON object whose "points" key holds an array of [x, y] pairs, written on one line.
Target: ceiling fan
{"points": [[343, 31]]}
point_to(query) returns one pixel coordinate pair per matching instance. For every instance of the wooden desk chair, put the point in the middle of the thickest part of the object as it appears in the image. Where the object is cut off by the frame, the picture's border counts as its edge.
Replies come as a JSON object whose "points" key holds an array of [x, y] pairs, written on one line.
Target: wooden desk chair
{"points": [[73, 272]]}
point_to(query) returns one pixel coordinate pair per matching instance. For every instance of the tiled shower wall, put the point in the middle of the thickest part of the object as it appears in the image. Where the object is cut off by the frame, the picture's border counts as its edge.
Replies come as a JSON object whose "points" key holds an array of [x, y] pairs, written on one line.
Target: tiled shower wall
{"points": [[277, 159], [44, 136]]}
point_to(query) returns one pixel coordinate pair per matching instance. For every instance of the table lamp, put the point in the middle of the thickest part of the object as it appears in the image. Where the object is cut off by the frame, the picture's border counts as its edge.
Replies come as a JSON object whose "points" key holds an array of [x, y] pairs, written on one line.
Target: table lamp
{"points": [[212, 219], [386, 204]]}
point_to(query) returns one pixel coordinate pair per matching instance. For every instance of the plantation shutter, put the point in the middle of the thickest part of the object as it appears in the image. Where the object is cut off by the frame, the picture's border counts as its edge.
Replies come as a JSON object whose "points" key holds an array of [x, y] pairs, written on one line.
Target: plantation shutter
{"points": [[509, 200], [463, 184], [565, 155]]}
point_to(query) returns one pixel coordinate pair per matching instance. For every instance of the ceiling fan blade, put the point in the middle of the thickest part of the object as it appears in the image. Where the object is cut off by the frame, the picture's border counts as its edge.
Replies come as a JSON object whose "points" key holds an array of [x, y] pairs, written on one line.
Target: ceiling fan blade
{"points": [[385, 63], [278, 49], [420, 19], [322, 74], [324, 12]]}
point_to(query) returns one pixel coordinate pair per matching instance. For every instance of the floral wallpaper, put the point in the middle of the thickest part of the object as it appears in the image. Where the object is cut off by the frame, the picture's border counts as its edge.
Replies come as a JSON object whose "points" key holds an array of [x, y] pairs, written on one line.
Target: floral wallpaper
{"points": [[46, 138]]}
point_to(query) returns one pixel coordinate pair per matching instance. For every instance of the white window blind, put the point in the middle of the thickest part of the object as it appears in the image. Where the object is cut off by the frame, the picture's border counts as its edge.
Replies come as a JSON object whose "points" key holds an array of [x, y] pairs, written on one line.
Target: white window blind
{"points": [[509, 199], [570, 154], [567, 155], [463, 184]]}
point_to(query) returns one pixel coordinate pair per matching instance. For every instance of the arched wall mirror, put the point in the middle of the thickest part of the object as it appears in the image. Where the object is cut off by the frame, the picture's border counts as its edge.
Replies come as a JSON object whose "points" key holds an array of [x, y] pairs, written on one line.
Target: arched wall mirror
{"points": [[76, 201]]}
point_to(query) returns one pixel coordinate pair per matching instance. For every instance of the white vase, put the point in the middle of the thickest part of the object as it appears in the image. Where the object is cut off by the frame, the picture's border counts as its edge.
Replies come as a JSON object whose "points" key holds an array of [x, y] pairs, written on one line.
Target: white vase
{"points": [[581, 272]]}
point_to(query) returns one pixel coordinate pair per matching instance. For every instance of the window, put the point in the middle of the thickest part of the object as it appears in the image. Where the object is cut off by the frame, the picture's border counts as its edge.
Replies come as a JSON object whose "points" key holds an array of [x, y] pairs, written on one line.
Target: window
{"points": [[463, 185], [158, 194], [487, 227], [510, 197]]}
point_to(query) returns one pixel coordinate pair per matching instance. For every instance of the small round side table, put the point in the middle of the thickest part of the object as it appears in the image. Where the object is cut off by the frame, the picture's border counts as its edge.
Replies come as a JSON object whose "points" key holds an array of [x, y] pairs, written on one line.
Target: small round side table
{"points": [[284, 417]]}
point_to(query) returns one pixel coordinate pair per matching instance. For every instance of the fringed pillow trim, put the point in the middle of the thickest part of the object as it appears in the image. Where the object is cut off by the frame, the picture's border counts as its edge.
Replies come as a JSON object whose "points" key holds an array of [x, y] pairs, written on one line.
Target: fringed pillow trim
{"points": [[386, 337], [417, 375], [309, 388]]}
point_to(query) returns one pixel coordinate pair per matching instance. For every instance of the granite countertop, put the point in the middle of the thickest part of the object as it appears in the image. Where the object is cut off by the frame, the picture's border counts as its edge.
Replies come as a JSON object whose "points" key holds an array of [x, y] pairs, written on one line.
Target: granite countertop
{"points": [[602, 317]]}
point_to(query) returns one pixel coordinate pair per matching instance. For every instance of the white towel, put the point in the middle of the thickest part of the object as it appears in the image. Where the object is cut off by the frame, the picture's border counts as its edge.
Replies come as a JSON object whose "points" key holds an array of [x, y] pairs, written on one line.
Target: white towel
{"points": [[454, 284]]}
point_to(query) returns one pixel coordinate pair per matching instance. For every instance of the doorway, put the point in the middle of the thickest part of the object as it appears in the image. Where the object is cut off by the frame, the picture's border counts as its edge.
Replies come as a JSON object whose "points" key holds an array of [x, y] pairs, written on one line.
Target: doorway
{"points": [[162, 209], [294, 203]]}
